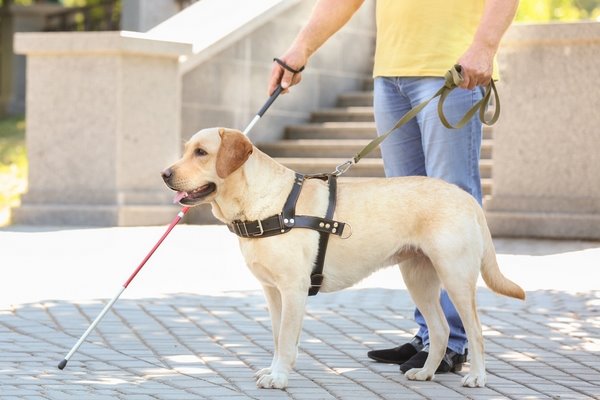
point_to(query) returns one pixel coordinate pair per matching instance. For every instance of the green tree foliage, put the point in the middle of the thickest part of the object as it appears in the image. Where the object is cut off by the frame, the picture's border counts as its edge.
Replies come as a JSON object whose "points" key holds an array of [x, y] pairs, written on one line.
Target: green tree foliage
{"points": [[66, 3], [558, 10]]}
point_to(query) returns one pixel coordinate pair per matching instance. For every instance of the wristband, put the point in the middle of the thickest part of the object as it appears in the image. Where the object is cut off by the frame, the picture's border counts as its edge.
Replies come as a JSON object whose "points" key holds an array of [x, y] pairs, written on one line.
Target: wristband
{"points": [[287, 67]]}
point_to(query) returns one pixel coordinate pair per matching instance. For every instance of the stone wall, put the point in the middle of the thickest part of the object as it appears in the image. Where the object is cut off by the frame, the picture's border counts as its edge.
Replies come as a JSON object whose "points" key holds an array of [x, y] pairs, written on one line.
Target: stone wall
{"points": [[546, 171]]}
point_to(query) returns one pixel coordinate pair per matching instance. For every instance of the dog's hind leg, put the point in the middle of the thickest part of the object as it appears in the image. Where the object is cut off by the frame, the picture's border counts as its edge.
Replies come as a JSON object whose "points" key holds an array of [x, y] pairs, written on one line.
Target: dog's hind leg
{"points": [[459, 275], [273, 298], [424, 287], [463, 296]]}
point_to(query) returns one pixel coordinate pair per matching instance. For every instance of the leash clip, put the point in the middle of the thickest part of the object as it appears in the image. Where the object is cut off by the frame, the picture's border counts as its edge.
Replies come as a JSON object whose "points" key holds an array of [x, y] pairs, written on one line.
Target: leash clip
{"points": [[342, 168]]}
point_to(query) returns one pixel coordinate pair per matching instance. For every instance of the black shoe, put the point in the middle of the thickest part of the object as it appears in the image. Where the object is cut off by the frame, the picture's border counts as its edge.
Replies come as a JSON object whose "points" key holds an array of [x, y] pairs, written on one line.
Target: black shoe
{"points": [[452, 361], [397, 355]]}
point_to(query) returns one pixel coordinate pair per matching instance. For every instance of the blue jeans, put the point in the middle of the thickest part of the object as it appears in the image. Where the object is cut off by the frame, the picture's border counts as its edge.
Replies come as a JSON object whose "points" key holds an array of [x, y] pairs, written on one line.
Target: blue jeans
{"points": [[425, 147]]}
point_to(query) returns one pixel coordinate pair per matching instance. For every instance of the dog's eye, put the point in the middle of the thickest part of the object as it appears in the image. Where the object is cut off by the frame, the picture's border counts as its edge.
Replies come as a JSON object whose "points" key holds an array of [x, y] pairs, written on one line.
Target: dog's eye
{"points": [[199, 152]]}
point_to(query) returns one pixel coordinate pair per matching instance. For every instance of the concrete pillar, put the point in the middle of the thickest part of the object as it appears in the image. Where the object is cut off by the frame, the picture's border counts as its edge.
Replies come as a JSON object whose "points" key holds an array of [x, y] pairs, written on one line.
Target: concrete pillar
{"points": [[546, 167], [142, 15], [103, 119]]}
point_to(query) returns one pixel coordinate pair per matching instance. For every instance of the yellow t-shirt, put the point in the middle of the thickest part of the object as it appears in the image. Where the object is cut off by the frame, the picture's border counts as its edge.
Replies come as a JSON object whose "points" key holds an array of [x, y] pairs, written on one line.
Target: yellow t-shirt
{"points": [[424, 37]]}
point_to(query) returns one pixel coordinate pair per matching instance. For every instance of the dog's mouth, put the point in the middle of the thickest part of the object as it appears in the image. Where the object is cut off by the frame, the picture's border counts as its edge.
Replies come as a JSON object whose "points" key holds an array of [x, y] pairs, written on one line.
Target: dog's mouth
{"points": [[195, 196]]}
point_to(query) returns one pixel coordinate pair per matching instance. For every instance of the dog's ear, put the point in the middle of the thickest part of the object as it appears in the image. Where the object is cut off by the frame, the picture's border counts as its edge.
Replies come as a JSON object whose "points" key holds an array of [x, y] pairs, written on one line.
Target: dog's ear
{"points": [[233, 153]]}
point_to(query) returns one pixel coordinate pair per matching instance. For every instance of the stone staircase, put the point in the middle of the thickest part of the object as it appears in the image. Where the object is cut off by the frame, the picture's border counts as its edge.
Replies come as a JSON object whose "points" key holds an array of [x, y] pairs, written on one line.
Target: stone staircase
{"points": [[335, 135]]}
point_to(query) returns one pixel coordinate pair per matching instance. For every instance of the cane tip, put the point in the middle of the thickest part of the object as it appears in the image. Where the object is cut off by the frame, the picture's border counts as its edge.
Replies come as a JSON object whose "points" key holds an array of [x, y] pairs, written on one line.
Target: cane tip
{"points": [[62, 364]]}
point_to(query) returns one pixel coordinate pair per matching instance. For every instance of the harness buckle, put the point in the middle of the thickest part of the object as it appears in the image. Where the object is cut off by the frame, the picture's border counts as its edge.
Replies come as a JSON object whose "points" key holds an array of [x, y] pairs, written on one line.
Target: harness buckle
{"points": [[316, 281], [342, 168], [262, 231], [282, 226]]}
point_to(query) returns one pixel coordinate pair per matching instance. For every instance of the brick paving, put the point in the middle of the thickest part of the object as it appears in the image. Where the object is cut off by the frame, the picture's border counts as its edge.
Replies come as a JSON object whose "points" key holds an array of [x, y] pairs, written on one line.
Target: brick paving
{"points": [[207, 344]]}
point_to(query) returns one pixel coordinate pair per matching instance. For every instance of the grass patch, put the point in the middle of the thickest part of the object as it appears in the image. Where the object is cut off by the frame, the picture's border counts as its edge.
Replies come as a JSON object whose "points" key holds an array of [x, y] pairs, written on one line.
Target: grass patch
{"points": [[13, 165]]}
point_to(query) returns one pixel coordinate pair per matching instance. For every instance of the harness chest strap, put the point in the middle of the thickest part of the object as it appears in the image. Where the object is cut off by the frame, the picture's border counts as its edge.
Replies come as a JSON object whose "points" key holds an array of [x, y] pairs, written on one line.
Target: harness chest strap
{"points": [[316, 277], [287, 219], [276, 225]]}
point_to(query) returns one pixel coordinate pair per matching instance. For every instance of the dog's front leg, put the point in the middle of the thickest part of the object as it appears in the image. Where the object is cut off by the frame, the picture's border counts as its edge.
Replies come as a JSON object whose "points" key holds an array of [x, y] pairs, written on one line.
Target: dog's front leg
{"points": [[273, 298], [293, 302]]}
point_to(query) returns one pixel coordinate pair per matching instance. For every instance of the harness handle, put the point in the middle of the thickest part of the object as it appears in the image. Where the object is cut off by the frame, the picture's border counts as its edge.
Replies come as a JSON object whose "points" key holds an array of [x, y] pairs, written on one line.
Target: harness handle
{"points": [[453, 78]]}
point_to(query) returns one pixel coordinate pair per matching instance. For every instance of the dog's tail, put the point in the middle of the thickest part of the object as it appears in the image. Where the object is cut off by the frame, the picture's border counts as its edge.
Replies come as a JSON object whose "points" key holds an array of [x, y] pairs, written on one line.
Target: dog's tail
{"points": [[490, 272]]}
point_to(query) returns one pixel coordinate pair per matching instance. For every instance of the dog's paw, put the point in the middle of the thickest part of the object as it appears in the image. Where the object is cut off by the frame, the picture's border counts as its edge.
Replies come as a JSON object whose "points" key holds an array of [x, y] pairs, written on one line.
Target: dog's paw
{"points": [[474, 380], [273, 380], [260, 373], [419, 374]]}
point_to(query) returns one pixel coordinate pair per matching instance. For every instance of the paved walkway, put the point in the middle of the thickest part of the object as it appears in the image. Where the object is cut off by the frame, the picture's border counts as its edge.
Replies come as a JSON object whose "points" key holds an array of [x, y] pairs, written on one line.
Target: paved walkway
{"points": [[194, 324]]}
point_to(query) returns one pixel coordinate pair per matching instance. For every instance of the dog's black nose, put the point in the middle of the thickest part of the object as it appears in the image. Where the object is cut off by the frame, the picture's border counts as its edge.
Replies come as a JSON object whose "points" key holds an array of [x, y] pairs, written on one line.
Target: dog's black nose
{"points": [[166, 174]]}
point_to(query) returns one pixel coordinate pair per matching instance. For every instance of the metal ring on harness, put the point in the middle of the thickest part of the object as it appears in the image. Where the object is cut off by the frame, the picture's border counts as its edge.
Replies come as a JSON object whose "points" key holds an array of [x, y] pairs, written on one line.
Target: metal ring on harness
{"points": [[349, 227]]}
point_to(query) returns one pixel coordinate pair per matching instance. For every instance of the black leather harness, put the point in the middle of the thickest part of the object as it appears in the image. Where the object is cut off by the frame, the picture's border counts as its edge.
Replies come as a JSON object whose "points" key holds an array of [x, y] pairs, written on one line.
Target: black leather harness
{"points": [[287, 219]]}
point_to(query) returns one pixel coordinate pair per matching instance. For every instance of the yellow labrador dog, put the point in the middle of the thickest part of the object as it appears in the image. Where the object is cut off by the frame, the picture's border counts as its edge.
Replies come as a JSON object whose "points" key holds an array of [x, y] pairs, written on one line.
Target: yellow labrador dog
{"points": [[435, 231]]}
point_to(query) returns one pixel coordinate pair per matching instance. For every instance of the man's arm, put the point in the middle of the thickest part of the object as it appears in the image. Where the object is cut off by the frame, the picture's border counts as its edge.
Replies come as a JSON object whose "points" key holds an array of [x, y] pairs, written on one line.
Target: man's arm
{"points": [[327, 17], [477, 62]]}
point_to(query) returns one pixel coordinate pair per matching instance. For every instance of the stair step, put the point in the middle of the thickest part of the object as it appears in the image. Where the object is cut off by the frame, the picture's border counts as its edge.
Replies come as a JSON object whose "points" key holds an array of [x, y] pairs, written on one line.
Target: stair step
{"points": [[486, 186], [317, 148], [333, 148], [332, 130], [356, 99], [356, 131], [485, 168], [341, 130], [486, 148], [367, 167], [340, 114], [486, 183], [488, 132]]}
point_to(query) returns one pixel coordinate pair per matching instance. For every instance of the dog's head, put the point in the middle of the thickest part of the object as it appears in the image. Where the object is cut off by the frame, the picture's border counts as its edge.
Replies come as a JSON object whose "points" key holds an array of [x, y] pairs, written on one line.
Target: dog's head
{"points": [[210, 156]]}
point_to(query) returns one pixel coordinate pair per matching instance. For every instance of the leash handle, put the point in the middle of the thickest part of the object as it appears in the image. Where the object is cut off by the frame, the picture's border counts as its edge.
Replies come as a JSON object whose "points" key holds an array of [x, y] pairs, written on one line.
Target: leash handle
{"points": [[453, 79]]}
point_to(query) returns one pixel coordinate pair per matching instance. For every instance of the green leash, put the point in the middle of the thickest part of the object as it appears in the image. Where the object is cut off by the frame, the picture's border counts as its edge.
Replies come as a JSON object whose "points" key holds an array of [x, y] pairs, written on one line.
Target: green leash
{"points": [[453, 78]]}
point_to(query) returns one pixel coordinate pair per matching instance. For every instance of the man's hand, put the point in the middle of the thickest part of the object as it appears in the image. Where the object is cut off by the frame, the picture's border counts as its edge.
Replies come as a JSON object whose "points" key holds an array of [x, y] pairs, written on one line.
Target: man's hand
{"points": [[477, 65], [478, 61], [296, 59], [328, 17]]}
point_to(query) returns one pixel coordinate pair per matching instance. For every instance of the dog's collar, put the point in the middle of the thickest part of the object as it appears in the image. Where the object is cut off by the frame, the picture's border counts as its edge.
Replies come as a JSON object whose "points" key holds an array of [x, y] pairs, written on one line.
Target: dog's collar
{"points": [[287, 219]]}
